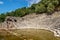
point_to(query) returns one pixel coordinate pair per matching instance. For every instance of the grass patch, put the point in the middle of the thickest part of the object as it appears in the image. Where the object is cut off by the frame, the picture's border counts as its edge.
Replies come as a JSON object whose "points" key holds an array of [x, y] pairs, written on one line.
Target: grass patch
{"points": [[30, 34]]}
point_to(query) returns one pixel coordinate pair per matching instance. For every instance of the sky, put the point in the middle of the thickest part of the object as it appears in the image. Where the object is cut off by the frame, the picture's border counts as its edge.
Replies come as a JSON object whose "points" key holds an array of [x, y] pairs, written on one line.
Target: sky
{"points": [[10, 5]]}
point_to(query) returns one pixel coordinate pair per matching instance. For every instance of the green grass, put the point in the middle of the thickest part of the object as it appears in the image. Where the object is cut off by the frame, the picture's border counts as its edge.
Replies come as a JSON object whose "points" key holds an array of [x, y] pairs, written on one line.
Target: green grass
{"points": [[30, 34]]}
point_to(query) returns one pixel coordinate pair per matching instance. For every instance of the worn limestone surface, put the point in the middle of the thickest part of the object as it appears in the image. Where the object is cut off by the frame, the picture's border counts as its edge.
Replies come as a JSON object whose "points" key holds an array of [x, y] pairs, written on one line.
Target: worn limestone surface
{"points": [[36, 21]]}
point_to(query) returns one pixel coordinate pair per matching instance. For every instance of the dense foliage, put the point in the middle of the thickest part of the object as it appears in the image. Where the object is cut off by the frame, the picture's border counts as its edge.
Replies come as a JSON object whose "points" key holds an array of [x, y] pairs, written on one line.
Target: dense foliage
{"points": [[47, 6]]}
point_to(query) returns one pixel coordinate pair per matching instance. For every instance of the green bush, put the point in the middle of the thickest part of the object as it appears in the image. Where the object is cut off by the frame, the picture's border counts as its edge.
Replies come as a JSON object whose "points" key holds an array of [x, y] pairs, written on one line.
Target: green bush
{"points": [[46, 2], [55, 2], [40, 8], [50, 8], [2, 17]]}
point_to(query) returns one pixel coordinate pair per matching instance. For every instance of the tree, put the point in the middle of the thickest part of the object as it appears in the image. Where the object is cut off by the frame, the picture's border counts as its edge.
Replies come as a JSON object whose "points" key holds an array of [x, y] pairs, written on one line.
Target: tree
{"points": [[50, 8], [59, 1], [46, 2], [2, 17], [55, 2], [40, 8]]}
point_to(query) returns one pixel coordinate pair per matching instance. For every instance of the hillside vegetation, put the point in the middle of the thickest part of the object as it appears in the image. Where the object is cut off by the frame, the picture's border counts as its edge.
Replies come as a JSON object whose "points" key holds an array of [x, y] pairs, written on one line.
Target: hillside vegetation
{"points": [[44, 6]]}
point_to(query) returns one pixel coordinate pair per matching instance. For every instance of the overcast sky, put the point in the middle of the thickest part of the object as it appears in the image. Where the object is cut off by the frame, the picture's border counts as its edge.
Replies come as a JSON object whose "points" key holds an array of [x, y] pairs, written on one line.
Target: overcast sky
{"points": [[9, 5]]}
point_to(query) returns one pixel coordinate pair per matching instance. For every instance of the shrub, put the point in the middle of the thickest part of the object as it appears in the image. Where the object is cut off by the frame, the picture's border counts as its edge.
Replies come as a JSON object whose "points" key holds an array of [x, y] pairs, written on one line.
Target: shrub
{"points": [[50, 8], [40, 8]]}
